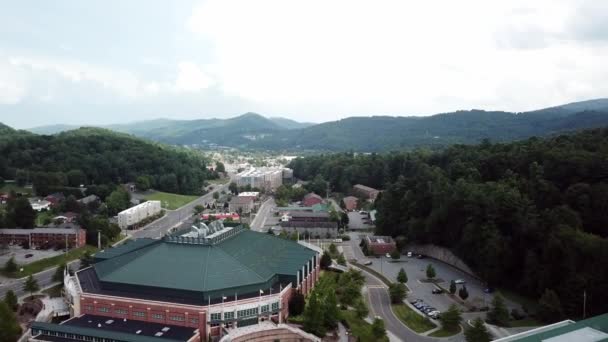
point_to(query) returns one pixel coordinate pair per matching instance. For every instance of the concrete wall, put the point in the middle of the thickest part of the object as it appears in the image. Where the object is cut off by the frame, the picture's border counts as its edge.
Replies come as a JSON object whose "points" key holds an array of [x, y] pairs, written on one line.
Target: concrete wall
{"points": [[441, 254]]}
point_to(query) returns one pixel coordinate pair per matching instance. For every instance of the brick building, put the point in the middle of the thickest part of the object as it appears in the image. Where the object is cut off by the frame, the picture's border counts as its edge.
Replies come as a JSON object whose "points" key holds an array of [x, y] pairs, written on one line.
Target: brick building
{"points": [[366, 192], [311, 199], [76, 237], [379, 245], [214, 280], [350, 203]]}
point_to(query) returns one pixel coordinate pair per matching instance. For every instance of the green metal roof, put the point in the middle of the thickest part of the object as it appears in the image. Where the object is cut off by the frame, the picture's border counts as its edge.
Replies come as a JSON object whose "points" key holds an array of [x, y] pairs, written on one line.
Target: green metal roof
{"points": [[126, 247], [245, 259], [599, 323], [115, 335]]}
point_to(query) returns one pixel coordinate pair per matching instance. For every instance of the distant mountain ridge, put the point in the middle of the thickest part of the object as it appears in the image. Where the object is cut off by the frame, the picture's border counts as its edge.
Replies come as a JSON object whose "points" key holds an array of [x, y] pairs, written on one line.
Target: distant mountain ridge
{"points": [[374, 133]]}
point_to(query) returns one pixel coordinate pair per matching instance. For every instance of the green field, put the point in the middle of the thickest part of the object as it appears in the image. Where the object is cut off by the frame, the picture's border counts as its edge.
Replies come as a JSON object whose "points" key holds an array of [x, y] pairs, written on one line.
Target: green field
{"points": [[41, 216], [413, 320], [170, 201], [41, 265], [8, 187], [359, 328], [445, 333]]}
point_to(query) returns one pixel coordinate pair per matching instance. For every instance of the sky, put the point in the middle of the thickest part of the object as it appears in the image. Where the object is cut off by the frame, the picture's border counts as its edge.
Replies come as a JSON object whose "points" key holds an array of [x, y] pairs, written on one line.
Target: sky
{"points": [[114, 61]]}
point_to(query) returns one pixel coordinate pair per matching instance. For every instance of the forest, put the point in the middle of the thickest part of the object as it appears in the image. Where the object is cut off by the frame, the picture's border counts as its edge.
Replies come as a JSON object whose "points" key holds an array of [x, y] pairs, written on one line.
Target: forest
{"points": [[97, 156], [529, 216]]}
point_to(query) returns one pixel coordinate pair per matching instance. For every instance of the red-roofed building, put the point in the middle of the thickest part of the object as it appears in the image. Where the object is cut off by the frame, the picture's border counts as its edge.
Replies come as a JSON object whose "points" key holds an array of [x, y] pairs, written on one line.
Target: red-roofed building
{"points": [[311, 199], [221, 216], [350, 203]]}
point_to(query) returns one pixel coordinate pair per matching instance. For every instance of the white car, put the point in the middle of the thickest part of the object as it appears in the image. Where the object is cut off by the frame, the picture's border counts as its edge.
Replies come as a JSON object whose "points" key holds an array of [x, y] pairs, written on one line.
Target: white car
{"points": [[388, 255], [459, 281], [409, 254]]}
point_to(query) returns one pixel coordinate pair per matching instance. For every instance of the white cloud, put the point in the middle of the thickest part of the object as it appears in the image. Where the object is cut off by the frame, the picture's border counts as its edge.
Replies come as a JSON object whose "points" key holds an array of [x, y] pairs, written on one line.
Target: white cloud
{"points": [[404, 57], [190, 78]]}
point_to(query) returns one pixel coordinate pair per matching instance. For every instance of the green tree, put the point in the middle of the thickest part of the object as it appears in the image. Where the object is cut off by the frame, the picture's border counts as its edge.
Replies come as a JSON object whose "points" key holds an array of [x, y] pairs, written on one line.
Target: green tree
{"points": [[378, 329], [219, 167], [333, 249], [21, 177], [478, 332], [397, 292], [297, 304], [11, 266], [402, 276], [20, 213], [216, 195], [330, 309], [118, 200], [58, 275], [550, 307], [198, 209], [325, 261], [233, 188], [395, 255], [313, 316], [360, 309], [341, 260], [9, 327], [451, 318], [463, 292], [10, 298], [31, 285], [499, 313], [452, 287], [142, 183], [430, 271], [76, 178]]}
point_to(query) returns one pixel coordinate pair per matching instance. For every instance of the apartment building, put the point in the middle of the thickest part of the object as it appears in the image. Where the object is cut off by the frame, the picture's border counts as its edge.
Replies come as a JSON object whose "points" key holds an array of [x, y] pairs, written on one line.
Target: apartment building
{"points": [[136, 214]]}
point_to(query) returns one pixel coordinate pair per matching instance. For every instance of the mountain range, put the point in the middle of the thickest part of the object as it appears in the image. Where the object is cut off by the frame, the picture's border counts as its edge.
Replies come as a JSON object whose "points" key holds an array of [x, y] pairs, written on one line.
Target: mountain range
{"points": [[366, 134]]}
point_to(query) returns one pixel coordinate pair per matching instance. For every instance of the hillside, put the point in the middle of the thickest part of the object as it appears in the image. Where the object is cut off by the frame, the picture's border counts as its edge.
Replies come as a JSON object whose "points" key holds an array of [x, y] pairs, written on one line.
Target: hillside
{"points": [[99, 156], [528, 216]]}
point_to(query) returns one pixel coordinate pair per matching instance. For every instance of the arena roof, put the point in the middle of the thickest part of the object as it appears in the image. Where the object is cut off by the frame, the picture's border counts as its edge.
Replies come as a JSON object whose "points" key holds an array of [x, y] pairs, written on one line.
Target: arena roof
{"points": [[247, 258]]}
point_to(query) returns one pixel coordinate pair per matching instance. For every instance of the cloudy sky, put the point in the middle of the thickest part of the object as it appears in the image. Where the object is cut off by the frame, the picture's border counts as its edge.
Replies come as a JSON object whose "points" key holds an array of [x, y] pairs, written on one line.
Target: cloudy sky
{"points": [[110, 61]]}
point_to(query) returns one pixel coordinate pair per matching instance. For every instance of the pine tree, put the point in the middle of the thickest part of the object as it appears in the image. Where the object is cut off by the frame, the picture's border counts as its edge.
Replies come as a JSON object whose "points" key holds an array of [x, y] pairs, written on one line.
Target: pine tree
{"points": [[378, 329], [430, 272], [9, 328], [397, 292], [325, 260], [31, 285], [402, 276], [463, 292], [450, 319], [10, 298], [360, 309], [478, 332], [341, 260], [10, 266], [452, 287], [499, 314], [395, 255]]}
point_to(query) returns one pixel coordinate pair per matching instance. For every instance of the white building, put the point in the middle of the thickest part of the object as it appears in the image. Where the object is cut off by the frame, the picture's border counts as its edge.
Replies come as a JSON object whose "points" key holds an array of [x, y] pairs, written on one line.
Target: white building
{"points": [[261, 178], [40, 204], [138, 213]]}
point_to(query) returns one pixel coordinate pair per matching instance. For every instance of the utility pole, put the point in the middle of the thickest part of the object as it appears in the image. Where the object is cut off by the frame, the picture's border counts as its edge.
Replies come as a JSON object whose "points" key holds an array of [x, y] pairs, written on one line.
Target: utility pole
{"points": [[584, 303], [98, 239]]}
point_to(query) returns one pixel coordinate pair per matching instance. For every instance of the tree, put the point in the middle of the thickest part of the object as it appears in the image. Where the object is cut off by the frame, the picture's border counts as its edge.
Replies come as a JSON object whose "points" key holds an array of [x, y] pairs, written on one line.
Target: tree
{"points": [[313, 316], [76, 178], [397, 292], [325, 260], [9, 327], [216, 195], [21, 177], [31, 285], [219, 167], [118, 200], [498, 314], [86, 260], [297, 304], [463, 292], [378, 329], [395, 255], [142, 183], [341, 260], [198, 209], [20, 212], [452, 286], [478, 332], [10, 266], [10, 298], [450, 319], [330, 309], [430, 271], [402, 276], [333, 249], [233, 188], [58, 275], [360, 309], [550, 307]]}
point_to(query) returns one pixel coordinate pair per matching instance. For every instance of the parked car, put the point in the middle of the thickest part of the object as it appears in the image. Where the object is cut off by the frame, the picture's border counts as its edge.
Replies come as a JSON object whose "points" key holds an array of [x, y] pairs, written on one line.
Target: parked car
{"points": [[367, 263], [29, 255], [362, 212], [409, 254], [459, 281], [420, 256], [388, 255], [437, 291], [415, 301]]}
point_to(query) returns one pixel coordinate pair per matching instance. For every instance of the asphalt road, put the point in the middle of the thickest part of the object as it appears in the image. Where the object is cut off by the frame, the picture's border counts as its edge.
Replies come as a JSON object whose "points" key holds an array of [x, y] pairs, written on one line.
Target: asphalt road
{"points": [[265, 211], [175, 217], [44, 279]]}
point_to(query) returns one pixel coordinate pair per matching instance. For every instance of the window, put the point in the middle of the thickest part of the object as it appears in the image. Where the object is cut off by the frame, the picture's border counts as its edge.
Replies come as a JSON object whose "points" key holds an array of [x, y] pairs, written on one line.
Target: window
{"points": [[88, 307], [247, 312], [103, 309], [177, 318], [157, 316], [216, 316], [264, 308], [121, 311], [275, 306], [229, 315], [194, 320], [139, 314]]}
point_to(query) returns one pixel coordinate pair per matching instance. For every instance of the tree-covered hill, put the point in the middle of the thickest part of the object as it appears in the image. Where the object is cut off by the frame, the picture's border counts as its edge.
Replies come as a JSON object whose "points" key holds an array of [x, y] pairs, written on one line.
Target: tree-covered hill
{"points": [[528, 216], [98, 156]]}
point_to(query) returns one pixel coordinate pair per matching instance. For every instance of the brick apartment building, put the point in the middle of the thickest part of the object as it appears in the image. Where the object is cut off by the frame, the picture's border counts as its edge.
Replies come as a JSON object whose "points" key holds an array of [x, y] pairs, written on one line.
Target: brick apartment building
{"points": [[76, 237], [366, 192], [379, 245]]}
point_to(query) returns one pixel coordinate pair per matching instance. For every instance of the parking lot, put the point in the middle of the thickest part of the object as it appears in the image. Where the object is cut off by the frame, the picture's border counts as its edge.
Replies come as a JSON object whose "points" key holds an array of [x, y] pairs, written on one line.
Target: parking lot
{"points": [[355, 221], [20, 255]]}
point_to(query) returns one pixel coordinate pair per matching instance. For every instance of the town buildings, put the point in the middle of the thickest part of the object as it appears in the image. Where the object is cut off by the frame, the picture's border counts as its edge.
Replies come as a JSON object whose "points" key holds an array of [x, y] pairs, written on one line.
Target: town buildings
{"points": [[251, 194], [243, 205], [136, 214], [311, 199], [266, 178], [366, 192], [200, 284], [350, 203], [75, 237], [314, 224], [380, 245], [40, 204]]}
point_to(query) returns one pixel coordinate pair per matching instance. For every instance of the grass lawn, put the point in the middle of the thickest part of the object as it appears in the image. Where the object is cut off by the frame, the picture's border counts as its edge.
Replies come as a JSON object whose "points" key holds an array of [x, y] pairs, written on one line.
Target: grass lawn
{"points": [[445, 333], [413, 320], [378, 275], [358, 327], [170, 201], [54, 291], [7, 187], [44, 264], [526, 322], [40, 217], [218, 181]]}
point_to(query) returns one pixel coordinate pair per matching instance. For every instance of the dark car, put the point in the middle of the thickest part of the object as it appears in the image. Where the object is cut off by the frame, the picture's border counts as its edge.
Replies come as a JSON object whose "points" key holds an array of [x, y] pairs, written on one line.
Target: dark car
{"points": [[29, 255], [488, 290], [437, 291], [420, 256]]}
